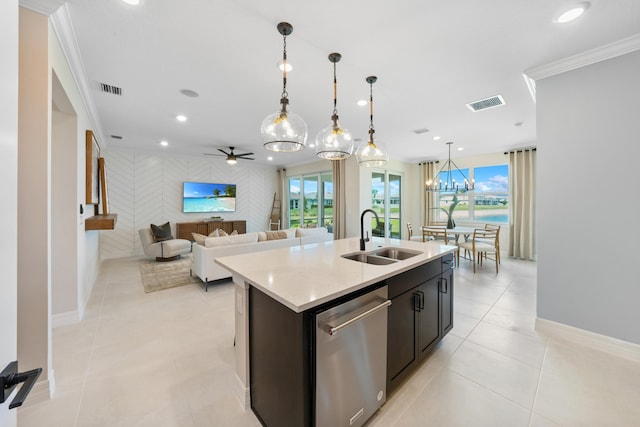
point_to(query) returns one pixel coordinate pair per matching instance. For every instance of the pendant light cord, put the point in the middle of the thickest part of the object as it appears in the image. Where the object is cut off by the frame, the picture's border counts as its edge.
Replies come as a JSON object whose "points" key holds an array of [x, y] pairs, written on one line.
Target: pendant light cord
{"points": [[284, 66], [335, 90]]}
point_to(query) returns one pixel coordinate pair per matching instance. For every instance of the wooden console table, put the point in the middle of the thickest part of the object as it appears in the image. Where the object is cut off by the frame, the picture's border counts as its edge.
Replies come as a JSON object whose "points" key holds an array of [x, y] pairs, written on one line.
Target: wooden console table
{"points": [[184, 229]]}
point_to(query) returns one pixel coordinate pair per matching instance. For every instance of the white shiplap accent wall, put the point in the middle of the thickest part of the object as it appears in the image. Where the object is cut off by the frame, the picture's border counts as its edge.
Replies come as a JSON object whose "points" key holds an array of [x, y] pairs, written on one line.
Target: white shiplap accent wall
{"points": [[146, 188]]}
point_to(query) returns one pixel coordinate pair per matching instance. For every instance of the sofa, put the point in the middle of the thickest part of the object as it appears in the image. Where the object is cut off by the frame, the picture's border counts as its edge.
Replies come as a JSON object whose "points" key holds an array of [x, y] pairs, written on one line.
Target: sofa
{"points": [[203, 257]]}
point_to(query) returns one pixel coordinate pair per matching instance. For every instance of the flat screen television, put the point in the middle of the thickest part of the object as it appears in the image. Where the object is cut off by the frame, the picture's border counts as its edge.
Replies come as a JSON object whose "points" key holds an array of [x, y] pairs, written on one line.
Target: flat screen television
{"points": [[208, 197]]}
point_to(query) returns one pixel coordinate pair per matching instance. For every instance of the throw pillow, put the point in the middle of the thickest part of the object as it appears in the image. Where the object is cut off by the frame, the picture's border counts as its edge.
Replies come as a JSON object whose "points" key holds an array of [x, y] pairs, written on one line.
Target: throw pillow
{"points": [[276, 235], [234, 233], [161, 232], [218, 232], [199, 238]]}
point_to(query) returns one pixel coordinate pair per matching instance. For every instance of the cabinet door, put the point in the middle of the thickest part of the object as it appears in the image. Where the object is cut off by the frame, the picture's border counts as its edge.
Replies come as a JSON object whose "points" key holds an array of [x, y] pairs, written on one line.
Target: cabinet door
{"points": [[446, 302], [401, 333], [428, 316]]}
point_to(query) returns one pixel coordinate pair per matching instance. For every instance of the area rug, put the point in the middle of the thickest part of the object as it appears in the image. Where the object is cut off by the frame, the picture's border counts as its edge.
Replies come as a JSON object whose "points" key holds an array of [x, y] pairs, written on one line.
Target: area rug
{"points": [[157, 276]]}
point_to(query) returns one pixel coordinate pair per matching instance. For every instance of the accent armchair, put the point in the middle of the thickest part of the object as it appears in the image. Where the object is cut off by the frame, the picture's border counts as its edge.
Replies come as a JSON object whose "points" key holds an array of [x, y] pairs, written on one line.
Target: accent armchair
{"points": [[167, 250]]}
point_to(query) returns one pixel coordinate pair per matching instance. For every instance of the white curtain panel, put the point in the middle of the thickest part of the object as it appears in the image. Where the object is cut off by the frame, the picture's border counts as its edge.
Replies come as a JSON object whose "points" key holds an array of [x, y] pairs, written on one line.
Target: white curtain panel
{"points": [[428, 205], [339, 200], [522, 178]]}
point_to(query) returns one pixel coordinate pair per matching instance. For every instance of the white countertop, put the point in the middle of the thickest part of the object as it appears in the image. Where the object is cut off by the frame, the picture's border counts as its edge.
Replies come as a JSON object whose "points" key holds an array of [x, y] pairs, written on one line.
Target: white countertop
{"points": [[303, 277]]}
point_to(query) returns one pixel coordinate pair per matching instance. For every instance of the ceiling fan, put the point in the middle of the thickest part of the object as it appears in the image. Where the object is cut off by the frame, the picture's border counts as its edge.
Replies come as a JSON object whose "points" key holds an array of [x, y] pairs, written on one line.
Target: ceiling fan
{"points": [[232, 158]]}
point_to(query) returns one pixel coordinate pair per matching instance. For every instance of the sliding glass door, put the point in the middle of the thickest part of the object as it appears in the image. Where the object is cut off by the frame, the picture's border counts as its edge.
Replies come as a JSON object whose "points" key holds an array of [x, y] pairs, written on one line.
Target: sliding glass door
{"points": [[386, 201]]}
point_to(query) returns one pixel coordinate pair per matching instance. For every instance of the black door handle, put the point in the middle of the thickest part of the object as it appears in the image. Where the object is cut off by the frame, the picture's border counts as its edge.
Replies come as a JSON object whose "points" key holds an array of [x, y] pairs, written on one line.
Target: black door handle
{"points": [[10, 378]]}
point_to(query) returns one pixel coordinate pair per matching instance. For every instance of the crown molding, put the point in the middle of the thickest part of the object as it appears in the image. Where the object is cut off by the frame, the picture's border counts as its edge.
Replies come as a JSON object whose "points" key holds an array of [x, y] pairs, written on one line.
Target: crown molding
{"points": [[44, 7], [63, 29], [602, 53]]}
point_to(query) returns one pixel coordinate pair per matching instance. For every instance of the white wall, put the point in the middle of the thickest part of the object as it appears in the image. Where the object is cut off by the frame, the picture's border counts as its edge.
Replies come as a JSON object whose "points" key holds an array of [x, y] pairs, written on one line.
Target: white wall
{"points": [[8, 191], [82, 250], [146, 188], [588, 228]]}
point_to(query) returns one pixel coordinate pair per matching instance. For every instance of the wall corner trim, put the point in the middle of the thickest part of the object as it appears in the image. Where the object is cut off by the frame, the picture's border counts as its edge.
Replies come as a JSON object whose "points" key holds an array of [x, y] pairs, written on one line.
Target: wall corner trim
{"points": [[609, 345], [602, 53]]}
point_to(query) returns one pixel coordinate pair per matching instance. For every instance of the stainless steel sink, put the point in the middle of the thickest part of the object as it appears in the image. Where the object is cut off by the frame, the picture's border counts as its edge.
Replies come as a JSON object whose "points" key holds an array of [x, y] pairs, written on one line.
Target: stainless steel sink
{"points": [[396, 253], [382, 256], [369, 258]]}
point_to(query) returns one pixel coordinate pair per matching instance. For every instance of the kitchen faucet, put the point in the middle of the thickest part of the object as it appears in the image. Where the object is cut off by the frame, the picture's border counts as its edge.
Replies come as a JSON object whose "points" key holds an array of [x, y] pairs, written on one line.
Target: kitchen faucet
{"points": [[362, 239]]}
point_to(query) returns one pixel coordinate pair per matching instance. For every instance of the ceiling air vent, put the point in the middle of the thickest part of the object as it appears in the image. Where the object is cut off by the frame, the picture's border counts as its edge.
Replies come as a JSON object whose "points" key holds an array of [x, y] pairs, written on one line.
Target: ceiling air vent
{"points": [[114, 90], [115, 137], [484, 104], [421, 131]]}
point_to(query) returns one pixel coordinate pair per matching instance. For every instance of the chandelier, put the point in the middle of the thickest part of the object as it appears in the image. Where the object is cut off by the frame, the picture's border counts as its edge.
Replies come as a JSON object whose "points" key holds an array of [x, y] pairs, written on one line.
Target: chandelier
{"points": [[449, 184], [334, 142], [283, 130], [370, 154]]}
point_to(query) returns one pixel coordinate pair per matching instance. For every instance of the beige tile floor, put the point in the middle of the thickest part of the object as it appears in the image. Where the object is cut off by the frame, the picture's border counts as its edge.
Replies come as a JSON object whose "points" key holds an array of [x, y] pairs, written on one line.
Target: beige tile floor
{"points": [[166, 359]]}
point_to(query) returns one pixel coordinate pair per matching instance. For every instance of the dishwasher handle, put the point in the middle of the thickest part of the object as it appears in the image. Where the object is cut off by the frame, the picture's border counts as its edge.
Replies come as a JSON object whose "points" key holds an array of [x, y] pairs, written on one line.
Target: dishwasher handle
{"points": [[334, 329]]}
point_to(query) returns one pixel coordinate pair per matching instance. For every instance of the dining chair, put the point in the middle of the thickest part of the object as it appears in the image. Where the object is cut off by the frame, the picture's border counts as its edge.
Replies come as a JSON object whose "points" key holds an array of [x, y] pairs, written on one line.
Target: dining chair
{"points": [[440, 233], [412, 237], [497, 230], [482, 242]]}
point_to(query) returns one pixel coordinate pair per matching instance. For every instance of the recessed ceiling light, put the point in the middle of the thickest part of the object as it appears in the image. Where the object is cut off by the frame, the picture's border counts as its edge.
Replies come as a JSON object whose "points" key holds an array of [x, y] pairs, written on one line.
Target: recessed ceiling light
{"points": [[132, 2], [190, 93], [312, 145], [362, 102], [181, 118], [460, 148], [281, 66], [572, 13], [270, 158], [164, 143], [436, 138]]}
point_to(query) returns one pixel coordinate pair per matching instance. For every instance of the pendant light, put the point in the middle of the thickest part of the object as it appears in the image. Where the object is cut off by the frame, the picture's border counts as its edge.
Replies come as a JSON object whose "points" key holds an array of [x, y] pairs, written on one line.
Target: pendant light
{"points": [[283, 130], [370, 154], [334, 142], [449, 184]]}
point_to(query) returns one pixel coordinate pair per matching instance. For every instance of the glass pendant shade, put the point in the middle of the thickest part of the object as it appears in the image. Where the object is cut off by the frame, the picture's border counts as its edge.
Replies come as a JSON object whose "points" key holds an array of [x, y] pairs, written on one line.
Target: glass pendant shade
{"points": [[370, 154], [284, 131], [334, 142]]}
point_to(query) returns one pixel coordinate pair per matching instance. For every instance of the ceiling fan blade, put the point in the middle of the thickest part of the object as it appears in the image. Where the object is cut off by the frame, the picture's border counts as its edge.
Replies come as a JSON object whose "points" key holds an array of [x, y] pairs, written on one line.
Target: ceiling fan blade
{"points": [[227, 154], [244, 154], [214, 154]]}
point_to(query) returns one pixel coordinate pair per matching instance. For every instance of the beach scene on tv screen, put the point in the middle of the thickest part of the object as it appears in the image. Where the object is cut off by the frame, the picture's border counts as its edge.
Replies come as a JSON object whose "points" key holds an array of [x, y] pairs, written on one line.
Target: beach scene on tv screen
{"points": [[207, 197]]}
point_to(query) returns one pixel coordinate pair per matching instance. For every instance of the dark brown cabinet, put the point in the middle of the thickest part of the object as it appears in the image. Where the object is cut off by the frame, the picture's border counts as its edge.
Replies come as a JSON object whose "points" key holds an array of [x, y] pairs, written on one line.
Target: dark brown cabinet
{"points": [[420, 315], [184, 229]]}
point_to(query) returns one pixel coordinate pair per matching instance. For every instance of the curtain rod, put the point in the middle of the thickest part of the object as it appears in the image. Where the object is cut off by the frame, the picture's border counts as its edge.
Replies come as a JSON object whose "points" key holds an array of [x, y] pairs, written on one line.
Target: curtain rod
{"points": [[430, 161], [521, 150]]}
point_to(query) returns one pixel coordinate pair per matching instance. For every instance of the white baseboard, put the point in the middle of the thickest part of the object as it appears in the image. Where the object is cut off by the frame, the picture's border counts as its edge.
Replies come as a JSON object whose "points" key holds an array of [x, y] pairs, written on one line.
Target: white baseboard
{"points": [[41, 391], [242, 393], [610, 345], [64, 319]]}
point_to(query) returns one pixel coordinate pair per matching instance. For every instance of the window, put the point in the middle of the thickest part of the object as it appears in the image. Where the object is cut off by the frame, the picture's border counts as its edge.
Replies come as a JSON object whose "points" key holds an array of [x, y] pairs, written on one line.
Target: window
{"points": [[311, 201], [489, 202]]}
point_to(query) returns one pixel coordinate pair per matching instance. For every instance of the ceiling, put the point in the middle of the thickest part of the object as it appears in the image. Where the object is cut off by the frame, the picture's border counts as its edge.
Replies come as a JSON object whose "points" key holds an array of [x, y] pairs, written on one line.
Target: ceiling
{"points": [[431, 57]]}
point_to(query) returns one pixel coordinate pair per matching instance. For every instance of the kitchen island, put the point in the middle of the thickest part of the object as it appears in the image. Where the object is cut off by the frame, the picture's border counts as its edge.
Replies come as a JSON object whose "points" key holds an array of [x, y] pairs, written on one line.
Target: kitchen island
{"points": [[277, 290]]}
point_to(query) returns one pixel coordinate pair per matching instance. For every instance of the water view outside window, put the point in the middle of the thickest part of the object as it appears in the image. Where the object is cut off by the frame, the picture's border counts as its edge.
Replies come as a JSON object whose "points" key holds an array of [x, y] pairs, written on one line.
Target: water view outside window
{"points": [[489, 202]]}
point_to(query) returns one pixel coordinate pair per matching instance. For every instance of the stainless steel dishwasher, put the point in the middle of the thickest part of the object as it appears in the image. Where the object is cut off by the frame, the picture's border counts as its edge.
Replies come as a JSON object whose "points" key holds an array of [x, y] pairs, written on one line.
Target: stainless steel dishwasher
{"points": [[351, 360]]}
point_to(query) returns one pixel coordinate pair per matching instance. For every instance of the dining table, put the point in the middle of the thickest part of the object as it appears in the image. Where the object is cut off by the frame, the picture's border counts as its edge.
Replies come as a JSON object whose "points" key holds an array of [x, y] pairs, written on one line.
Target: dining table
{"points": [[460, 231]]}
